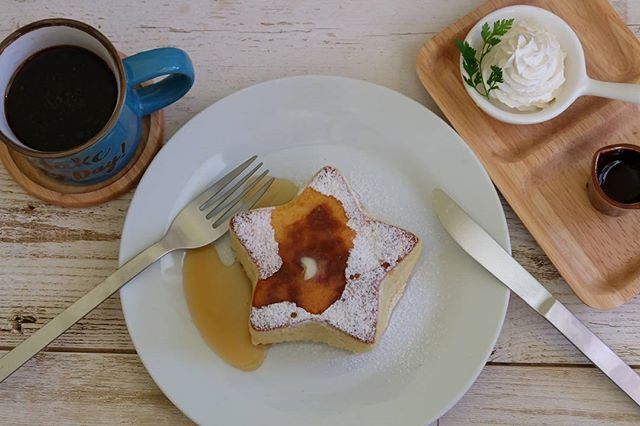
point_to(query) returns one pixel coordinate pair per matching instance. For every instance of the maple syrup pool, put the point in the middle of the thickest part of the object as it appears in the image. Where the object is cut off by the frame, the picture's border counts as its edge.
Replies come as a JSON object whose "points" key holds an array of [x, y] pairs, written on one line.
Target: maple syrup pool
{"points": [[219, 295]]}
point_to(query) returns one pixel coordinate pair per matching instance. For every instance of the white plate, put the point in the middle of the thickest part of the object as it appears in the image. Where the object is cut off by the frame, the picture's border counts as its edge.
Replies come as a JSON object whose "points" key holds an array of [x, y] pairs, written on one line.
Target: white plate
{"points": [[394, 152]]}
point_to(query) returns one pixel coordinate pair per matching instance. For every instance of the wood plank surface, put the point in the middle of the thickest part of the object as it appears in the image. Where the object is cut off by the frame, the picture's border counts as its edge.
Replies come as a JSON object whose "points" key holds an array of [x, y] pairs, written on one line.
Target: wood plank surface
{"points": [[82, 388], [507, 395], [106, 389], [52, 255]]}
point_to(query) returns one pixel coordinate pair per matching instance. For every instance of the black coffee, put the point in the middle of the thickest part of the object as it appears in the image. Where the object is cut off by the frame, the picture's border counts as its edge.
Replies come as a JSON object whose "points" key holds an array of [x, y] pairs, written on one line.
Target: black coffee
{"points": [[60, 98]]}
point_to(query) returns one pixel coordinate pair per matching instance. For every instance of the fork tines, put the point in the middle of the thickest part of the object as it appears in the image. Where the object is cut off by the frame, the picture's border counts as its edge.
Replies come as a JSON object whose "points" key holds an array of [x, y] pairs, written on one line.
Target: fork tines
{"points": [[236, 191]]}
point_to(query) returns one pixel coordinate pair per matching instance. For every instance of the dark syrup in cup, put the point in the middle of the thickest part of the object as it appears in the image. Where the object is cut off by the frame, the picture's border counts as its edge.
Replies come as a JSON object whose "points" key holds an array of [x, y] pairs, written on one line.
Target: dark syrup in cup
{"points": [[615, 179], [619, 175]]}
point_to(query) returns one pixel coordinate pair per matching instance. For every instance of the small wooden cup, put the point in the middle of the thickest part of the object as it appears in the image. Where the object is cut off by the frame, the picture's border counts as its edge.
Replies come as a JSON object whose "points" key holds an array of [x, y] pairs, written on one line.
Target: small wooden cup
{"points": [[599, 199]]}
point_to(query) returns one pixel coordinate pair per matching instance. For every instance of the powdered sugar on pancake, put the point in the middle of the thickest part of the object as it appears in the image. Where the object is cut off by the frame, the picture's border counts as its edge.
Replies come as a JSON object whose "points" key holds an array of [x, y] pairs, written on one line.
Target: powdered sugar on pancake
{"points": [[377, 248], [258, 237]]}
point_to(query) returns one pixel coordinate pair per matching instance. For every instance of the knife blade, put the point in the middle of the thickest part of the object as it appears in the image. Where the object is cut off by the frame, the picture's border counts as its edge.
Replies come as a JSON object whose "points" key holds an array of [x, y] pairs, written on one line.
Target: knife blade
{"points": [[488, 253]]}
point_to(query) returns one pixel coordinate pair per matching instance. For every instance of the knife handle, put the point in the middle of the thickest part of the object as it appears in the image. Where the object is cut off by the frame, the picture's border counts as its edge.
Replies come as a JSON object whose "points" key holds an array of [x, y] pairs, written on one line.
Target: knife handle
{"points": [[595, 349]]}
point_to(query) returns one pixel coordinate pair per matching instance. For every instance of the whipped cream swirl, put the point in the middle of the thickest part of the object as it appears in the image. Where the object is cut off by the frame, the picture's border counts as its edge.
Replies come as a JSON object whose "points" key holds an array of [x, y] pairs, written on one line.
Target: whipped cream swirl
{"points": [[532, 64]]}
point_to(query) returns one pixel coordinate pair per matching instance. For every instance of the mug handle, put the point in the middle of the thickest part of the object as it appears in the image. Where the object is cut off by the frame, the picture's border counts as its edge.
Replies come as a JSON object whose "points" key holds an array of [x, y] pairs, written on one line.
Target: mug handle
{"points": [[144, 66]]}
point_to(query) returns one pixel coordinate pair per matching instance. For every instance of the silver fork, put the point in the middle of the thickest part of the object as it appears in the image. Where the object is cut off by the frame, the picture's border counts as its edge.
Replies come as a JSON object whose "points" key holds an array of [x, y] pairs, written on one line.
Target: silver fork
{"points": [[201, 222]]}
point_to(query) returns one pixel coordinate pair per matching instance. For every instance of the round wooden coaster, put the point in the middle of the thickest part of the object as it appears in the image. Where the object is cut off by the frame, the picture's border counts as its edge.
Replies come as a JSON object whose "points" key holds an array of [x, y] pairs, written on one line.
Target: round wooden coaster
{"points": [[52, 191]]}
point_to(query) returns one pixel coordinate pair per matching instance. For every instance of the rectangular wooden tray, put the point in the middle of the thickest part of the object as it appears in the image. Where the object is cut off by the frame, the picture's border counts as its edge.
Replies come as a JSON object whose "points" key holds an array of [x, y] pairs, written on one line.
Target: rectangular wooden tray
{"points": [[542, 169]]}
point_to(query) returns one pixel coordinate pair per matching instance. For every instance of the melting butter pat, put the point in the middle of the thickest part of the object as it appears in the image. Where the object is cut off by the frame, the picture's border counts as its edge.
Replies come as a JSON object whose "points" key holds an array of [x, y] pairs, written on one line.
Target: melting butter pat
{"points": [[310, 267]]}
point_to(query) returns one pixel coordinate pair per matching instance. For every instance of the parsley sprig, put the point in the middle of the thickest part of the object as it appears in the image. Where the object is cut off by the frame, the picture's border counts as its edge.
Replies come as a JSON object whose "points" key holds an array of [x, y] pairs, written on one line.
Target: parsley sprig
{"points": [[472, 65]]}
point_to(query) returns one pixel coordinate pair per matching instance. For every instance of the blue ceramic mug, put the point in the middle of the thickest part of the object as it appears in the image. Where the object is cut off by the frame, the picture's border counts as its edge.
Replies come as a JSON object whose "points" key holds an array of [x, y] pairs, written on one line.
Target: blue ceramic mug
{"points": [[111, 149]]}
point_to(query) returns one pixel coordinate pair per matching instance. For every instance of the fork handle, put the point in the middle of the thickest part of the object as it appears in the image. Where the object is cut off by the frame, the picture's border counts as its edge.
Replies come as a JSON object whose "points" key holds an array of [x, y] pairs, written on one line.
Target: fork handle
{"points": [[11, 361]]}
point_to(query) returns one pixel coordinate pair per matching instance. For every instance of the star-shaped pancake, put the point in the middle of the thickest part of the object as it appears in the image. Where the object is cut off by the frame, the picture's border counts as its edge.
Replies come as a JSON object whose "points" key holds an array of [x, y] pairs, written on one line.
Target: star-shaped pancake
{"points": [[321, 268]]}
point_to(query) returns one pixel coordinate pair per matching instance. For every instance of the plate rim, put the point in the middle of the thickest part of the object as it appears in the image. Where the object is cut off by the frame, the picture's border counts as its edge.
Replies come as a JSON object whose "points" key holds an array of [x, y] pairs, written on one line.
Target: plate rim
{"points": [[504, 239]]}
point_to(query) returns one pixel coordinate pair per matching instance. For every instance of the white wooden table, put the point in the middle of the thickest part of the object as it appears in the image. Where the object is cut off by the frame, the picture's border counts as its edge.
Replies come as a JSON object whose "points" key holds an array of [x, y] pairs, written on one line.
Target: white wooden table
{"points": [[52, 255]]}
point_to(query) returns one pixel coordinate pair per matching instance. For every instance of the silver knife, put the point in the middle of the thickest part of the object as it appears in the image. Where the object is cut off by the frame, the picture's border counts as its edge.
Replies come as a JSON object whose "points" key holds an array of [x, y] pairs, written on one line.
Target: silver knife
{"points": [[486, 251]]}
